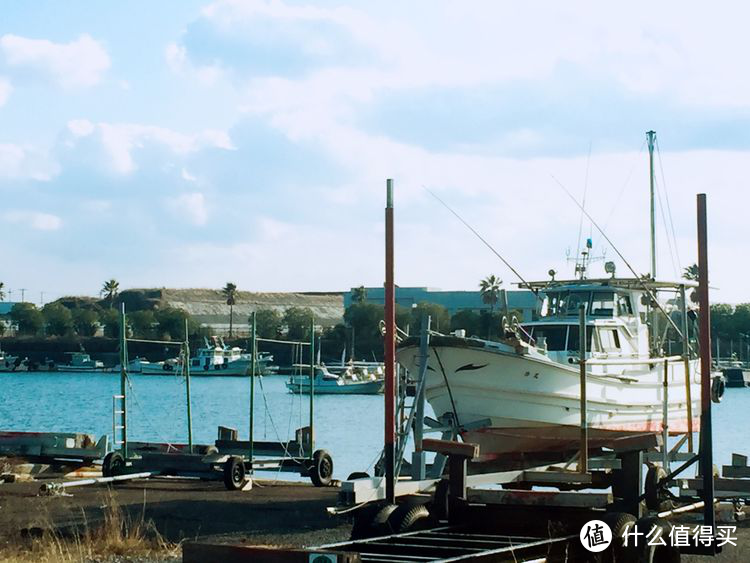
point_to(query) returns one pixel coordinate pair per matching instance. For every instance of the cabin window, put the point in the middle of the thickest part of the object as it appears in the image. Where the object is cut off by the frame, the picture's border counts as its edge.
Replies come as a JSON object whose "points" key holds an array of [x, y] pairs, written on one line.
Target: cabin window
{"points": [[609, 339], [575, 300], [624, 307], [554, 336], [553, 304], [573, 341], [603, 304]]}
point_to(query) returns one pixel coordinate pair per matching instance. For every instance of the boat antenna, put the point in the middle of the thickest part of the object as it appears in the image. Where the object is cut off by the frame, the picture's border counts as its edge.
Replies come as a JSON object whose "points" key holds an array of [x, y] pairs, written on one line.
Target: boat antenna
{"points": [[487, 244], [640, 279]]}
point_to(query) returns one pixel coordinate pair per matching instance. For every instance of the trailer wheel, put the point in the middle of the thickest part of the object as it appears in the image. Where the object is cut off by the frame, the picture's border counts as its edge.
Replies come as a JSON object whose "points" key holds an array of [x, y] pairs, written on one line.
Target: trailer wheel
{"points": [[321, 470], [234, 473], [358, 475], [372, 521], [408, 518], [656, 553], [621, 523], [113, 464], [651, 486]]}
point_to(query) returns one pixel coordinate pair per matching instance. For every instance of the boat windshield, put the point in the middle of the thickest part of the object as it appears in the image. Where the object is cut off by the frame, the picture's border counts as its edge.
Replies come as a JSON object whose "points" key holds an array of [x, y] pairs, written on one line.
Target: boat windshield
{"points": [[604, 303], [559, 338]]}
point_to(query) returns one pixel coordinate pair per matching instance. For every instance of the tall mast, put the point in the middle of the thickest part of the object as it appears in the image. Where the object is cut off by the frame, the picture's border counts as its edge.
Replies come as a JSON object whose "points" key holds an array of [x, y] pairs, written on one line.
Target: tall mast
{"points": [[651, 137]]}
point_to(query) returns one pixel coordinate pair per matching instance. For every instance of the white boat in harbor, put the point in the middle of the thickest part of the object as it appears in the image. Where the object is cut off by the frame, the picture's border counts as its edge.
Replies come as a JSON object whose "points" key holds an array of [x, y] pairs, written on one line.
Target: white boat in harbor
{"points": [[79, 361], [327, 383], [13, 363], [216, 358]]}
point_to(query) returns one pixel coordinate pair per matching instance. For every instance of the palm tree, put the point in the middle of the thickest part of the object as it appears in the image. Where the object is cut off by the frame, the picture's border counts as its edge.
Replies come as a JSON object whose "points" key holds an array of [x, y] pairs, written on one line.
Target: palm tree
{"points": [[691, 272], [2, 293], [110, 290], [230, 292], [489, 288], [359, 294]]}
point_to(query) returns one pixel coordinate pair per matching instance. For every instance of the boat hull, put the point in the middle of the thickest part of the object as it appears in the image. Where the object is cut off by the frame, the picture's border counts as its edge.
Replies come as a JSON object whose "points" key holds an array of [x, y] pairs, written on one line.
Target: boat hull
{"points": [[513, 403], [357, 388]]}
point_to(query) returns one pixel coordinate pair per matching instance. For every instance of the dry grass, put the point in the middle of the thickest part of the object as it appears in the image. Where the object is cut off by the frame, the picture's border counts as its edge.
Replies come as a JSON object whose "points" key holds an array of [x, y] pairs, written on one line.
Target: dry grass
{"points": [[119, 537]]}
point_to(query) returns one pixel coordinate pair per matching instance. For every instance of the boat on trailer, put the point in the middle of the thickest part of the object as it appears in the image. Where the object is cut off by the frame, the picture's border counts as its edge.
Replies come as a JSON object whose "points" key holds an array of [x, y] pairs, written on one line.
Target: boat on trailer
{"points": [[520, 397]]}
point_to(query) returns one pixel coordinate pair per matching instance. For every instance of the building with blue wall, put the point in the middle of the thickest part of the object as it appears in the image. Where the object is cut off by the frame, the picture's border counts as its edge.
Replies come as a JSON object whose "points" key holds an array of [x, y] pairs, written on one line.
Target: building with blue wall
{"points": [[454, 301]]}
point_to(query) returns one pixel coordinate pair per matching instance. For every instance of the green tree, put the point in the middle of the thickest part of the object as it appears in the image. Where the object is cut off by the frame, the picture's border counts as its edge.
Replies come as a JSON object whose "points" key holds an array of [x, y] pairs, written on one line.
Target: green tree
{"points": [[110, 320], [691, 273], [58, 319], [171, 323], [110, 290], [85, 321], [27, 317], [267, 323], [365, 319], [489, 289], [230, 294], [2, 291], [142, 323], [467, 320], [441, 319], [297, 321], [359, 294]]}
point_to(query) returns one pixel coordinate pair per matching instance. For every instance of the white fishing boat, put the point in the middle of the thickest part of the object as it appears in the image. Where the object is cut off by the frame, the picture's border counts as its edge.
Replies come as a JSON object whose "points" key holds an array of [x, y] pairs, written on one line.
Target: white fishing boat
{"points": [[520, 397], [327, 383], [216, 358], [13, 363], [79, 361]]}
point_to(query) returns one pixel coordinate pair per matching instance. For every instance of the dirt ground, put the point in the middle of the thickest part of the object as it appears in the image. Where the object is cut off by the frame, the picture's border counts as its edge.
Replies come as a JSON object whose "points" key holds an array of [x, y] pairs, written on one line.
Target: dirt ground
{"points": [[288, 514]]}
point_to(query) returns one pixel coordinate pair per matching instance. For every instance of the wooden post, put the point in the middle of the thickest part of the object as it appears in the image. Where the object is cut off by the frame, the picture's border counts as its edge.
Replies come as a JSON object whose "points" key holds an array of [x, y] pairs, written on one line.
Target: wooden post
{"points": [[706, 440], [665, 418], [253, 355], [390, 351], [583, 460], [123, 383], [186, 371]]}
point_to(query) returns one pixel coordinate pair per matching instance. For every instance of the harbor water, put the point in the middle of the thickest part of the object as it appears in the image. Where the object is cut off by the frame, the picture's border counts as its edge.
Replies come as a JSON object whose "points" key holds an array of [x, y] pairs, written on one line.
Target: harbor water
{"points": [[350, 427]]}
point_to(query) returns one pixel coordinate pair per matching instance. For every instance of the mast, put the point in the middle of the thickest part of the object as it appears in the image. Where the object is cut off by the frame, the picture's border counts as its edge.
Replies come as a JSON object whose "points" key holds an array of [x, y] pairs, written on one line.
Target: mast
{"points": [[651, 138], [653, 329]]}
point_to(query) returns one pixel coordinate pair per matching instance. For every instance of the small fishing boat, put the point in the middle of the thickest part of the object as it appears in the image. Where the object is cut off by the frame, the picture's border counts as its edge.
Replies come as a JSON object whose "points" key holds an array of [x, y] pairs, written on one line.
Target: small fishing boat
{"points": [[79, 361], [216, 358], [327, 383], [13, 363]]}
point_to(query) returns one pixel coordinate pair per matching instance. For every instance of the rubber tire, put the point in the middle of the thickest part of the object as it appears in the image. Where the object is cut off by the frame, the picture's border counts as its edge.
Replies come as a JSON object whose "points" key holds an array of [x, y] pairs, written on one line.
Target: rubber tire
{"points": [[656, 553], [620, 522], [113, 464], [654, 474], [372, 521], [234, 473], [321, 470], [358, 475], [410, 518]]}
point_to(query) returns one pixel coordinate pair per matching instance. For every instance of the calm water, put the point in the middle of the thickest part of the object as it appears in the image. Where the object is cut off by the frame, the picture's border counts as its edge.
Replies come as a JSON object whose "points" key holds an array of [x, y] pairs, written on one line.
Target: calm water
{"points": [[350, 427]]}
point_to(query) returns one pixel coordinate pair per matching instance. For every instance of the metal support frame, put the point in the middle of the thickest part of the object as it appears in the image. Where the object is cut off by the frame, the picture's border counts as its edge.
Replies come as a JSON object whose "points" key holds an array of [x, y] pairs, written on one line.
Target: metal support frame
{"points": [[584, 456], [686, 363]]}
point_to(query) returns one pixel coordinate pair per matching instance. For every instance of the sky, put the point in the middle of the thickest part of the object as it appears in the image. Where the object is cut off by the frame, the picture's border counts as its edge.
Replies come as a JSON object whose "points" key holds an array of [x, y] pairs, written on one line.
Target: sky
{"points": [[192, 143]]}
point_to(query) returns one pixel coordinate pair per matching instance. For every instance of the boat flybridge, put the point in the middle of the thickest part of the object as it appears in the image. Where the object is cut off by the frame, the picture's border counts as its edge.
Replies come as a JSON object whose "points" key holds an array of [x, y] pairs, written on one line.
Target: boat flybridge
{"points": [[520, 395]]}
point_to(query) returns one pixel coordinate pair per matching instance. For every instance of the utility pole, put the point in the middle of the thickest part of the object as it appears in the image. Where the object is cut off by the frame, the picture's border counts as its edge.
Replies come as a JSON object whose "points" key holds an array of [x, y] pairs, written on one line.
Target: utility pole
{"points": [[23, 294], [41, 299]]}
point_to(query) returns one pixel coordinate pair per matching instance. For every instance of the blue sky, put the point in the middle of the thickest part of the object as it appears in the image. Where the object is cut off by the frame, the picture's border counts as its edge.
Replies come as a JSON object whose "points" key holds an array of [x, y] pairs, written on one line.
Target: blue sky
{"points": [[192, 143]]}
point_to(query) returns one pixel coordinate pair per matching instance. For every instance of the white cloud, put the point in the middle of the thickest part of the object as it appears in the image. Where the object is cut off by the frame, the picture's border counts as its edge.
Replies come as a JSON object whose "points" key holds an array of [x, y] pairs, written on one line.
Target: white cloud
{"points": [[80, 63], [26, 162], [121, 139], [190, 206], [187, 176], [178, 62], [34, 219], [5, 90]]}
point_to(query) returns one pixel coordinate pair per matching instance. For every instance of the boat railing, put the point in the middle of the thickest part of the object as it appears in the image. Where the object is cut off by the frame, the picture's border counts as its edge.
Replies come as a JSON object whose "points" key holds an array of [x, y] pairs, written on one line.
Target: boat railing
{"points": [[633, 361]]}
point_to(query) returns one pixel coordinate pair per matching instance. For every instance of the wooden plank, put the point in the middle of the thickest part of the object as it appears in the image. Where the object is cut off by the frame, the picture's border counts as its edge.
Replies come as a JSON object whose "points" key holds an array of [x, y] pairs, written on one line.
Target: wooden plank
{"points": [[540, 498], [739, 485], [448, 447], [739, 460], [193, 552], [555, 477], [735, 471]]}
